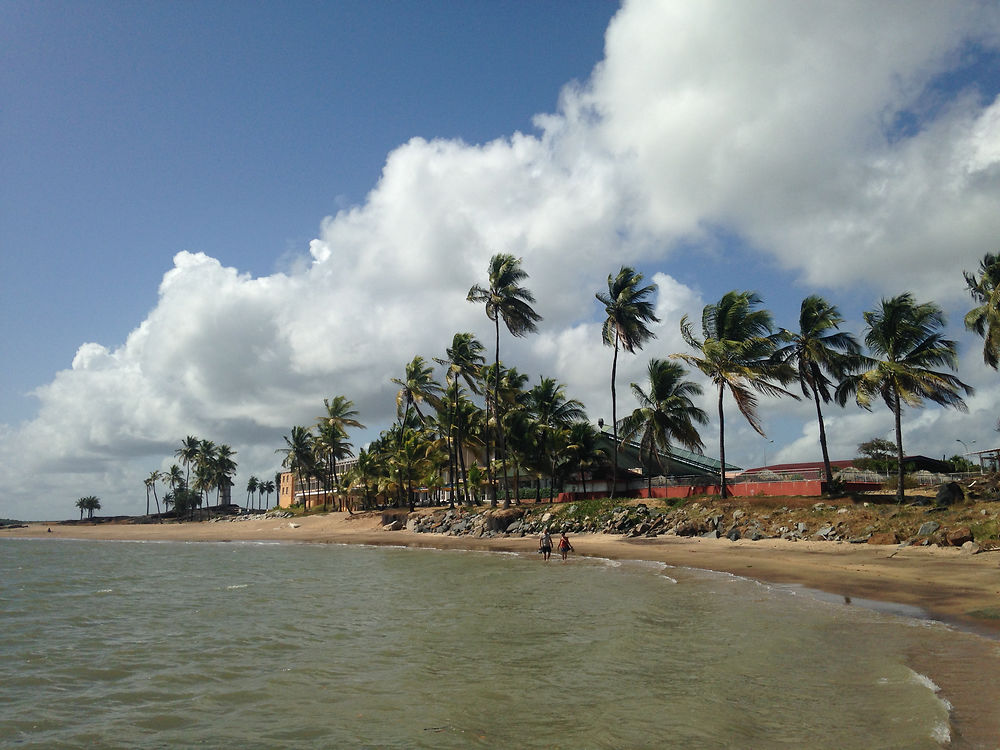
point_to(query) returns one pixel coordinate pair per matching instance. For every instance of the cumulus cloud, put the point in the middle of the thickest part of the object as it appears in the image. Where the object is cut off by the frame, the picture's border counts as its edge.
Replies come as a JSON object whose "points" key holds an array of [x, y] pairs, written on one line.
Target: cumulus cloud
{"points": [[818, 135]]}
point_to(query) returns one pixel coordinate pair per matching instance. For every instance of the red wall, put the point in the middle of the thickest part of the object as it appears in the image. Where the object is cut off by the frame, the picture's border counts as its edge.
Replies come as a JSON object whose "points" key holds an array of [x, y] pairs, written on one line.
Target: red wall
{"points": [[799, 487]]}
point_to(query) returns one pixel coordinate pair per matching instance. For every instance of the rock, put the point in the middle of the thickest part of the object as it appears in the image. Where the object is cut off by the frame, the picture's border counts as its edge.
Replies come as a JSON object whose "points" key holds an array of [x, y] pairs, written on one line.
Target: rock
{"points": [[394, 526], [738, 514], [842, 511], [824, 532], [971, 548], [884, 537], [801, 528], [293, 525], [949, 493], [927, 528], [733, 534], [958, 537], [713, 534]]}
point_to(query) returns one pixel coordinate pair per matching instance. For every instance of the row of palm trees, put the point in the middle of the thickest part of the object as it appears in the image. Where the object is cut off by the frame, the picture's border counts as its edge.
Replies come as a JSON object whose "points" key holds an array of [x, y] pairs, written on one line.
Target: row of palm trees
{"points": [[256, 489], [539, 431]]}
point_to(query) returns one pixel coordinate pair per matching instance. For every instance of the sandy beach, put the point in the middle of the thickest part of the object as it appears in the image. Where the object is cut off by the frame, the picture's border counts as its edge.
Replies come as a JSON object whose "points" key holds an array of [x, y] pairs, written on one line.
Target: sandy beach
{"points": [[945, 584]]}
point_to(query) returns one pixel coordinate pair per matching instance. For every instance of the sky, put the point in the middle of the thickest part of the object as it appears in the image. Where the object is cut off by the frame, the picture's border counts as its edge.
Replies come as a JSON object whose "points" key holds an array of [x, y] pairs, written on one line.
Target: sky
{"points": [[215, 215]]}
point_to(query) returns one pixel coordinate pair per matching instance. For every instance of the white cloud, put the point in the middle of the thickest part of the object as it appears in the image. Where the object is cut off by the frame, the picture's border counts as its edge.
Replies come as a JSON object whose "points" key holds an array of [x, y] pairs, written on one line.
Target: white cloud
{"points": [[772, 120]]}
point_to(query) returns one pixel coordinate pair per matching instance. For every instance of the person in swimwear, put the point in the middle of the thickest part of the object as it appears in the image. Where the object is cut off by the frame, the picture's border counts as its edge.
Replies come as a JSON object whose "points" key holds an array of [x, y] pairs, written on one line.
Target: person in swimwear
{"points": [[564, 546]]}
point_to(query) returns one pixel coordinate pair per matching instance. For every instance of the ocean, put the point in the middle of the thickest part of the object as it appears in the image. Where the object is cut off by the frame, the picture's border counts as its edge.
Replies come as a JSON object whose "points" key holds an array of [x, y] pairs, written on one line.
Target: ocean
{"points": [[173, 645]]}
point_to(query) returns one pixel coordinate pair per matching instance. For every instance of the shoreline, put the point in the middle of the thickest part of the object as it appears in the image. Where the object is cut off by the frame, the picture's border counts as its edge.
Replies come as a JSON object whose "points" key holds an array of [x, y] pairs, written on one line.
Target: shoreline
{"points": [[946, 585]]}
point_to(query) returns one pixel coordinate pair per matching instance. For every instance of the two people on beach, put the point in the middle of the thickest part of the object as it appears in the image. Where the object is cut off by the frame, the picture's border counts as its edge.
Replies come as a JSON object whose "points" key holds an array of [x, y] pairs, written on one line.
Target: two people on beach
{"points": [[545, 545]]}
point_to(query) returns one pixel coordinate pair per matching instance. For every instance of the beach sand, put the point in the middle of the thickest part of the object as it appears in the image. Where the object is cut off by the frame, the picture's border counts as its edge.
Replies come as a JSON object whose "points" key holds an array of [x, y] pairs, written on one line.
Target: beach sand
{"points": [[945, 584]]}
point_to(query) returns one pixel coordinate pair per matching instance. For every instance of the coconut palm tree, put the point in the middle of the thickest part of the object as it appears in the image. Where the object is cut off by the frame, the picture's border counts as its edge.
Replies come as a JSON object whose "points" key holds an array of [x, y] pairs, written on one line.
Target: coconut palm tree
{"points": [[174, 477], [553, 412], [417, 386], [332, 430], [629, 308], [984, 318], [151, 480], [224, 468], [736, 354], [82, 505], [505, 299], [819, 351], [666, 413], [905, 341], [187, 454], [299, 457], [464, 361], [253, 484], [584, 450], [267, 488], [89, 504]]}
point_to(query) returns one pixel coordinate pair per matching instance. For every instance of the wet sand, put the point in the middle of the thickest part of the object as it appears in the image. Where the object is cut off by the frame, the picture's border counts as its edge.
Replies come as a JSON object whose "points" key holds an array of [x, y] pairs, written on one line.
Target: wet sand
{"points": [[945, 584]]}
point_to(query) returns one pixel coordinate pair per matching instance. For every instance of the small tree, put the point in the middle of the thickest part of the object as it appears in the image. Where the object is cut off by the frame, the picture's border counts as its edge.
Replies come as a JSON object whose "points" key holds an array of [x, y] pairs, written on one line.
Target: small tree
{"points": [[876, 454]]}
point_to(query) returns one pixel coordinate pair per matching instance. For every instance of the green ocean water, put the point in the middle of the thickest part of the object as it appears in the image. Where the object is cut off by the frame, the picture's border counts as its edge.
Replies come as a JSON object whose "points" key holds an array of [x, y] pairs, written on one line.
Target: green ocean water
{"points": [[172, 645]]}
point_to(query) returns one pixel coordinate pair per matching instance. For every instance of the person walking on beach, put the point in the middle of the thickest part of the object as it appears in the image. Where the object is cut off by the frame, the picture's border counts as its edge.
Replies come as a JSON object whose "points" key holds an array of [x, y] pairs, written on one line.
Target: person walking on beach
{"points": [[545, 544], [564, 546]]}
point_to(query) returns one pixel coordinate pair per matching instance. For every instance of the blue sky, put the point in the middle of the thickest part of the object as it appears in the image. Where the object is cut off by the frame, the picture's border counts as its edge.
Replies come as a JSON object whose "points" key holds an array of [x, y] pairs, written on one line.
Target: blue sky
{"points": [[214, 215]]}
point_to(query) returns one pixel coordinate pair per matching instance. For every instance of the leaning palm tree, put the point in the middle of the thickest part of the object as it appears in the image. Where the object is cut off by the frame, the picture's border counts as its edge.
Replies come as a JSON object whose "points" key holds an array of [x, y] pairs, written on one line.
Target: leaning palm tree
{"points": [[905, 341], [818, 352], [628, 308], [984, 319], [666, 413], [416, 387], [504, 298], [154, 477], [736, 354]]}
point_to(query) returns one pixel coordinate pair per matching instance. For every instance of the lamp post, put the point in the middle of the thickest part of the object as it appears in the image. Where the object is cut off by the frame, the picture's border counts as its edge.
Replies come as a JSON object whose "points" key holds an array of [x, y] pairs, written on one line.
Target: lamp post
{"points": [[765, 452], [967, 451]]}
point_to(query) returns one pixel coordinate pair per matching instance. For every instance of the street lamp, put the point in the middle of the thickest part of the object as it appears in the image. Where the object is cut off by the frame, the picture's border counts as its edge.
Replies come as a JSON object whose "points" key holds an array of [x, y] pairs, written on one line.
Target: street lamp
{"points": [[967, 451], [765, 452]]}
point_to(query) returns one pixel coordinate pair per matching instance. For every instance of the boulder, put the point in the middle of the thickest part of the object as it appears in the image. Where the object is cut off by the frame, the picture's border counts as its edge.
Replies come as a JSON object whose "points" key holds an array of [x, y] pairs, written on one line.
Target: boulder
{"points": [[949, 493], [970, 547], [733, 534], [958, 537], [927, 528]]}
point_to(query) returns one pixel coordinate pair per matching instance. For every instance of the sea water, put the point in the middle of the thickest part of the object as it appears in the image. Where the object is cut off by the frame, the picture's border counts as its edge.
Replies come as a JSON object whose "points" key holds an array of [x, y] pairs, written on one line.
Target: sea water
{"points": [[165, 645]]}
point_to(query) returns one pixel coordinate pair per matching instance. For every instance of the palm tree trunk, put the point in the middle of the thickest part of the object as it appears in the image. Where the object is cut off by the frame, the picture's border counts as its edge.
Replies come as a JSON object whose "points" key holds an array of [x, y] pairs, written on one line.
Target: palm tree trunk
{"points": [[822, 440], [614, 417], [723, 492], [900, 496], [496, 416], [157, 504]]}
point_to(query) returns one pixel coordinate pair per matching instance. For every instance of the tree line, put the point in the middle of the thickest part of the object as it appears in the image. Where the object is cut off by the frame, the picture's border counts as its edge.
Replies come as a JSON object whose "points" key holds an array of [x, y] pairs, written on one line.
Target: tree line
{"points": [[905, 360], [487, 430]]}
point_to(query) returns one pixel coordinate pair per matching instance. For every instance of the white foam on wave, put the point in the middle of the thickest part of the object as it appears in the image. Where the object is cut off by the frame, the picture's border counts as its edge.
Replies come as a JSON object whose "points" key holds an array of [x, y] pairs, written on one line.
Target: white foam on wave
{"points": [[237, 586], [941, 731], [104, 591]]}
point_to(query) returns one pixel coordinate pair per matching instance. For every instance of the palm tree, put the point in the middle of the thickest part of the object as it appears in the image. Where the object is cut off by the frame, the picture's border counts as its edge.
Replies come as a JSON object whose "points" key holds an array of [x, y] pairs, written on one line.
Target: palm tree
{"points": [[299, 457], [89, 504], [984, 319], [504, 298], [628, 310], [332, 430], [174, 477], [151, 480], [584, 449], [905, 340], [736, 355], [187, 454], [666, 413], [417, 386], [253, 484], [267, 488], [553, 412], [224, 467], [818, 350], [464, 362]]}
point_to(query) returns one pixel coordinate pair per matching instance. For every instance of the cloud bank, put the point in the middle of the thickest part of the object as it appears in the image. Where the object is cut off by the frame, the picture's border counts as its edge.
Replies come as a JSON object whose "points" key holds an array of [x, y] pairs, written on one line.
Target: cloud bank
{"points": [[848, 143]]}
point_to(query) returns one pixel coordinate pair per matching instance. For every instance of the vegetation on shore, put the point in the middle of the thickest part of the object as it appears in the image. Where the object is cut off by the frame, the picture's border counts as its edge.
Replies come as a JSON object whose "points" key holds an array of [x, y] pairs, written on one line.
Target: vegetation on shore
{"points": [[491, 434]]}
